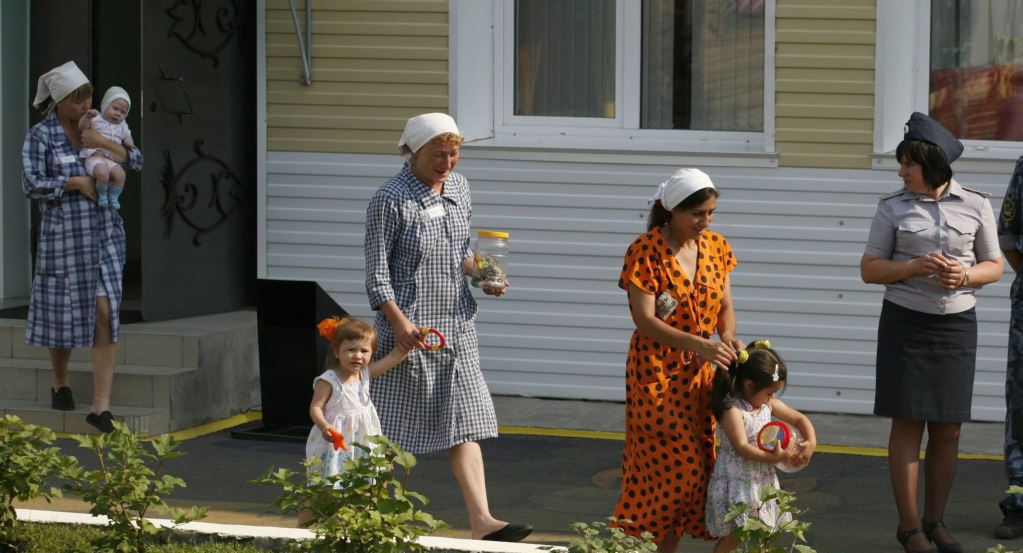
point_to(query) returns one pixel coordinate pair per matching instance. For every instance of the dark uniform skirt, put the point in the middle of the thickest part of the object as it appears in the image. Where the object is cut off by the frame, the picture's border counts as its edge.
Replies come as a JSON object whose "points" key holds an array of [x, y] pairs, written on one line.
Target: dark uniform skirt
{"points": [[925, 364]]}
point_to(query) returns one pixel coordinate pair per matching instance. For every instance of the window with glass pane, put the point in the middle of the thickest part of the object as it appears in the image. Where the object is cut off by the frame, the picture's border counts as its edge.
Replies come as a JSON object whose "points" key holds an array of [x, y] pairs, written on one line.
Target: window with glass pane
{"points": [[565, 58], [703, 65], [976, 81]]}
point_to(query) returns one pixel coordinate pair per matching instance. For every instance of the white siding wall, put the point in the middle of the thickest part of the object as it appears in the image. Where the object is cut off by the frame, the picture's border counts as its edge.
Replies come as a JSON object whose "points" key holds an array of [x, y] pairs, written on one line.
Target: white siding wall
{"points": [[563, 329]]}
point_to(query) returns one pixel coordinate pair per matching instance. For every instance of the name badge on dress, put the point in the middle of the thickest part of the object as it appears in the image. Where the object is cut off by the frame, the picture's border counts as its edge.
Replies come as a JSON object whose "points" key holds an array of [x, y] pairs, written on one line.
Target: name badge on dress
{"points": [[433, 212], [66, 159]]}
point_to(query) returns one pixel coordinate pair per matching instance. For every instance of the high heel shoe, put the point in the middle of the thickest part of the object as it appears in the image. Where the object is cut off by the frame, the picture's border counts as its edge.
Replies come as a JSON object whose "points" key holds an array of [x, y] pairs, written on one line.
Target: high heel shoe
{"points": [[943, 546], [903, 537]]}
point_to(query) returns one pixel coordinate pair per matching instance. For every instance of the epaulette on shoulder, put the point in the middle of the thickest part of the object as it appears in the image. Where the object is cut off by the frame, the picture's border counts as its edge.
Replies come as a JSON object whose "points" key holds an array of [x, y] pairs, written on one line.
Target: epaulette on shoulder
{"points": [[975, 191]]}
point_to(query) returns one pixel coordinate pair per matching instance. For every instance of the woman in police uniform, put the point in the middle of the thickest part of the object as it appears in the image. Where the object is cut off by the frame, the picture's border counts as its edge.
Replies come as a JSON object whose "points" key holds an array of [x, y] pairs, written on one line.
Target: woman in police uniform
{"points": [[931, 244]]}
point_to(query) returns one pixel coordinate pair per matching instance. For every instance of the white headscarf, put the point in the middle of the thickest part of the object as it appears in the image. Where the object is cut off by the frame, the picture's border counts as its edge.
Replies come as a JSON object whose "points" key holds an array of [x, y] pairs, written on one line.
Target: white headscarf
{"points": [[114, 93], [679, 186], [58, 82], [422, 128]]}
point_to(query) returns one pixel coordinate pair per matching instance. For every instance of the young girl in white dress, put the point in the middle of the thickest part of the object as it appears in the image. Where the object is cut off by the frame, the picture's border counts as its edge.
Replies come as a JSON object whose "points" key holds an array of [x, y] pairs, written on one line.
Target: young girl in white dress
{"points": [[341, 402], [743, 400]]}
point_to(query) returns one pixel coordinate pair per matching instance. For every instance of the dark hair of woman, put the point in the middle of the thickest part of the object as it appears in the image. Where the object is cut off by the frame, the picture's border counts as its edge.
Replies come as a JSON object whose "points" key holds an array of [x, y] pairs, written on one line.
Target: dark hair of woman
{"points": [[659, 215], [931, 159], [759, 369]]}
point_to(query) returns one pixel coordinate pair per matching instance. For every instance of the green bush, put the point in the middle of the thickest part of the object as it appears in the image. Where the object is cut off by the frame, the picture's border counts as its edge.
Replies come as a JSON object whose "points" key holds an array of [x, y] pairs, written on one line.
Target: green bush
{"points": [[363, 509], [26, 460], [600, 537], [125, 488], [756, 536]]}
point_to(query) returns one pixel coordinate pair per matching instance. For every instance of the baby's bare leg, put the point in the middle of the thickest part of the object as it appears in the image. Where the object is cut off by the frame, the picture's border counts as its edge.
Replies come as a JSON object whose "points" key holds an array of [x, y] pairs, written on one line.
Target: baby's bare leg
{"points": [[101, 173]]}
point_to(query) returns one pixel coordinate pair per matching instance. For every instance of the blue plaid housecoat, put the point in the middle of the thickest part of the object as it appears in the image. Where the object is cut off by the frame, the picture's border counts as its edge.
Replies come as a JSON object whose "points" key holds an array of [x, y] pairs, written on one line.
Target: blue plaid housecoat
{"points": [[415, 244], [81, 245]]}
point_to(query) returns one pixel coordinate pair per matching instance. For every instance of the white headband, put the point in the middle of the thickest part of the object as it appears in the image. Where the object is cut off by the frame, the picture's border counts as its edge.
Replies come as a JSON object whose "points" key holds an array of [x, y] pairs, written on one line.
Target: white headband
{"points": [[58, 82], [422, 128], [114, 93], [679, 186]]}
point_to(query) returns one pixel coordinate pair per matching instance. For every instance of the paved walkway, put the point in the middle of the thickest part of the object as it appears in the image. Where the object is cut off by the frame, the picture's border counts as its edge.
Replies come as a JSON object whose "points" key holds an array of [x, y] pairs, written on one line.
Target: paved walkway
{"points": [[557, 463]]}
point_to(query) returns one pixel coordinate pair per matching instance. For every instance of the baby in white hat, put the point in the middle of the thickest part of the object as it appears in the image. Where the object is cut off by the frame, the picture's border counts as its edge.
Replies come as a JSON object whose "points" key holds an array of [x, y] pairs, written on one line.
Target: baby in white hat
{"points": [[99, 163]]}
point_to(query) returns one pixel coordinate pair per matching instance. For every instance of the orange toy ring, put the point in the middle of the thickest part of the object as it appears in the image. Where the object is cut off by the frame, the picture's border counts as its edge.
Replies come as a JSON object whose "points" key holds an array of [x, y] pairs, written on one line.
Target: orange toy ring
{"points": [[432, 347]]}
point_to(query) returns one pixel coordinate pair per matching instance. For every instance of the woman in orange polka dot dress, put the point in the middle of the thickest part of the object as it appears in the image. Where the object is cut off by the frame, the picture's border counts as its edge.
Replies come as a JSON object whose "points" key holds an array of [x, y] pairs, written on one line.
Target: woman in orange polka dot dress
{"points": [[676, 276]]}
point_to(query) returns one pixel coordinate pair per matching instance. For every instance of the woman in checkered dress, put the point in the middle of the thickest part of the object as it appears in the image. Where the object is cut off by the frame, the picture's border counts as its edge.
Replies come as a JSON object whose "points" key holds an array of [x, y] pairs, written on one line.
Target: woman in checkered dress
{"points": [[417, 260], [76, 289]]}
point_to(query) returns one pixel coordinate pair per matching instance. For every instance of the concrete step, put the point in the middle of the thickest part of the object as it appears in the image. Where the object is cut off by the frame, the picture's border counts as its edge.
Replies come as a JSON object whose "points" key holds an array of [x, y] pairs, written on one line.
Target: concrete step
{"points": [[134, 385], [144, 420], [139, 344], [169, 375]]}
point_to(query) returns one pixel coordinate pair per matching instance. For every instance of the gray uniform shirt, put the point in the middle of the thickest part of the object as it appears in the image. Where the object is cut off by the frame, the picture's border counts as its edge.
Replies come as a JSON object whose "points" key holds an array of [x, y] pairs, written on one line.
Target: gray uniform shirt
{"points": [[959, 224]]}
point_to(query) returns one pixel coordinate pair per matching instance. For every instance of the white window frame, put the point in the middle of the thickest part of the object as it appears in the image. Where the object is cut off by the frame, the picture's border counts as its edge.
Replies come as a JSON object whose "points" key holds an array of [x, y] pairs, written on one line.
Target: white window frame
{"points": [[903, 49], [482, 98]]}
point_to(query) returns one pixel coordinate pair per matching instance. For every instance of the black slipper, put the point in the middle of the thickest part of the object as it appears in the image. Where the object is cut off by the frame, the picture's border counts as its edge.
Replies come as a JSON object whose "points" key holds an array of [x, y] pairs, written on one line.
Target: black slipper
{"points": [[103, 421], [511, 532]]}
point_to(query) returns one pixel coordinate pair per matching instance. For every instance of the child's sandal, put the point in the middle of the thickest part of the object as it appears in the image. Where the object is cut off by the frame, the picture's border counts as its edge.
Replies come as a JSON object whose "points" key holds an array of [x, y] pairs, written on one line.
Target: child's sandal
{"points": [[903, 537]]}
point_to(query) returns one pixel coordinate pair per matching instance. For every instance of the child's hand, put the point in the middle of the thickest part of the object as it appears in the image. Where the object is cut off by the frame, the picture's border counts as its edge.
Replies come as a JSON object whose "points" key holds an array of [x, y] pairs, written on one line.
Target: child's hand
{"points": [[805, 452], [326, 433], [128, 142], [784, 456]]}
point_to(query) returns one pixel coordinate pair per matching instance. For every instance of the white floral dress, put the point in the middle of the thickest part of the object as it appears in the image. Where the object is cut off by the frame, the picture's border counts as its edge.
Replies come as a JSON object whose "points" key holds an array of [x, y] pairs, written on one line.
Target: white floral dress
{"points": [[351, 413], [737, 480]]}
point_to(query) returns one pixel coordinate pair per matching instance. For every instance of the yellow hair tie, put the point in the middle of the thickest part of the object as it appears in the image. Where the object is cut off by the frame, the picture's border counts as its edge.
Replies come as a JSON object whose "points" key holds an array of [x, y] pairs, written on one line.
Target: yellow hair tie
{"points": [[743, 356], [761, 344]]}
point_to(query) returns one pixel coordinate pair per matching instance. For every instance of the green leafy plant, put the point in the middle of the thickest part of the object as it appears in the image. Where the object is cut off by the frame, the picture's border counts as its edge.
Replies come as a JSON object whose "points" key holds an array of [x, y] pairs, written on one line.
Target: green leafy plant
{"points": [[26, 460], [364, 508], [600, 537], [125, 487], [757, 536]]}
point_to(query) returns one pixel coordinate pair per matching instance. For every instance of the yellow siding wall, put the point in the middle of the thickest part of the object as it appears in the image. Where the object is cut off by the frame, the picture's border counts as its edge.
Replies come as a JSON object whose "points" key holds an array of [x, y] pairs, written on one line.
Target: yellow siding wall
{"points": [[375, 63], [825, 83]]}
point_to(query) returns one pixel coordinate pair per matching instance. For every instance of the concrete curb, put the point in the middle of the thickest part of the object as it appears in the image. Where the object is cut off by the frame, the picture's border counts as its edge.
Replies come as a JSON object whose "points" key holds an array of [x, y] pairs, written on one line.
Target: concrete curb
{"points": [[433, 543]]}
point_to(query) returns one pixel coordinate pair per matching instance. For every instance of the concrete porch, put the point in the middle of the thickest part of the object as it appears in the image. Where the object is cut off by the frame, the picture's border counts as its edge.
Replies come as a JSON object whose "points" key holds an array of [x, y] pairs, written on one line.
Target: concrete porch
{"points": [[170, 375]]}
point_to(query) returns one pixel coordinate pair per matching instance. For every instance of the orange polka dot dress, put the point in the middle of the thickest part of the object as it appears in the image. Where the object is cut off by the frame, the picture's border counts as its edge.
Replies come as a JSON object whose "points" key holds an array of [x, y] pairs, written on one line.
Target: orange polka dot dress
{"points": [[669, 428]]}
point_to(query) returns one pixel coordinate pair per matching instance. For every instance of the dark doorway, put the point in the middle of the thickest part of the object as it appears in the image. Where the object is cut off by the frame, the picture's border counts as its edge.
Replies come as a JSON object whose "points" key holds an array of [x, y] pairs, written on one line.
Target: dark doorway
{"points": [[189, 65]]}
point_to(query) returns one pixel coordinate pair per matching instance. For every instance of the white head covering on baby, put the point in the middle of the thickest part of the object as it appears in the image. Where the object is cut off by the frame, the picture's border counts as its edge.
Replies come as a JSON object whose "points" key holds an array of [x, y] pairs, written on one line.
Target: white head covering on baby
{"points": [[58, 82], [114, 93], [679, 186], [422, 128]]}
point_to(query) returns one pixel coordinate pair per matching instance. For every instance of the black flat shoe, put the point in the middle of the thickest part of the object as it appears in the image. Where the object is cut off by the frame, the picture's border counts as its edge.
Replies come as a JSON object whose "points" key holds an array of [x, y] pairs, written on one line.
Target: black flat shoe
{"points": [[104, 422], [903, 538], [511, 533], [943, 546], [61, 399]]}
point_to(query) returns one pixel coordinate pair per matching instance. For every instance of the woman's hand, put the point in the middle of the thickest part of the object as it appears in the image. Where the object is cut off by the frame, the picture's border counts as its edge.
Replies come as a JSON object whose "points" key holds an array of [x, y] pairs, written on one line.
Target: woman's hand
{"points": [[714, 351], [930, 263], [730, 339], [407, 335], [953, 274], [326, 433], [495, 290], [85, 186]]}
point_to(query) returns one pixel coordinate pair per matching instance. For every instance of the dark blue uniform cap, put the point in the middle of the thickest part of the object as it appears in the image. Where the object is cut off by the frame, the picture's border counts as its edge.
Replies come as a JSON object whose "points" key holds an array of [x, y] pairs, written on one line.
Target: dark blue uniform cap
{"points": [[922, 127]]}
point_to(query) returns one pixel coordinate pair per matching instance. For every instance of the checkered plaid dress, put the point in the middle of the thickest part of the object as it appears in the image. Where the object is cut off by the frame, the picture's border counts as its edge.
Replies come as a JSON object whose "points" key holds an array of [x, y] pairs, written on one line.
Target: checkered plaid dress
{"points": [[81, 245], [415, 244]]}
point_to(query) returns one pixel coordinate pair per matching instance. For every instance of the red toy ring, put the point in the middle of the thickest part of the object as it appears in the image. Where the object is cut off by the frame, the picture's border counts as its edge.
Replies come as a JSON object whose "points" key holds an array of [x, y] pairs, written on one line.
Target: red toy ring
{"points": [[774, 436], [432, 347]]}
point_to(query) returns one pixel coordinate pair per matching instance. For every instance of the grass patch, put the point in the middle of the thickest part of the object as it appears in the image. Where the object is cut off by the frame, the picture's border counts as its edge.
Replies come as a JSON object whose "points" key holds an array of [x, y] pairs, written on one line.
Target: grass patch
{"points": [[68, 538]]}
